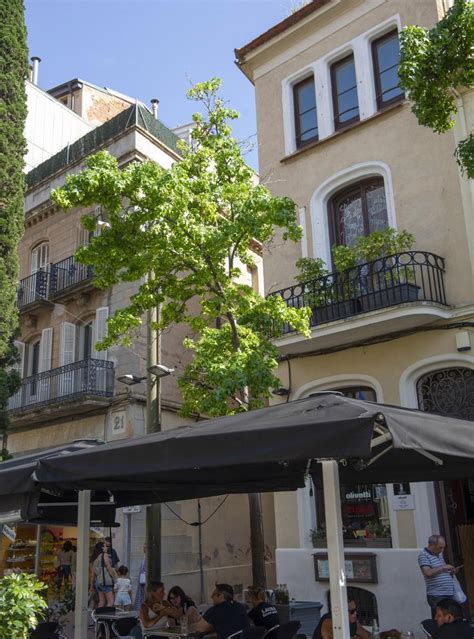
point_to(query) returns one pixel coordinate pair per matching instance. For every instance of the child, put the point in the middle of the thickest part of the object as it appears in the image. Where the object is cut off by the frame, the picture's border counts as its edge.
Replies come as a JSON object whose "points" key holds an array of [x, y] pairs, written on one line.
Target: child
{"points": [[123, 589]]}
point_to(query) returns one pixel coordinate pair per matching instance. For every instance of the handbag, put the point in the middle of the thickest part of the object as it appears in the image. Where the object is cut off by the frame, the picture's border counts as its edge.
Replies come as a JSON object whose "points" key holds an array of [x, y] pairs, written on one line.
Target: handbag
{"points": [[459, 594]]}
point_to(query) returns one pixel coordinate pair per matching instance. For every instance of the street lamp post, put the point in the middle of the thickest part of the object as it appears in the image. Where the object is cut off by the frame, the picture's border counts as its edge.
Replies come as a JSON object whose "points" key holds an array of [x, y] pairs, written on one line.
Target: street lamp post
{"points": [[155, 371]]}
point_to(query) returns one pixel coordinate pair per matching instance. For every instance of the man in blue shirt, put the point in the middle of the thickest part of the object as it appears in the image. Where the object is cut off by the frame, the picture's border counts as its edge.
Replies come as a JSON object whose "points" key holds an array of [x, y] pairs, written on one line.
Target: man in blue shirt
{"points": [[226, 616], [437, 573]]}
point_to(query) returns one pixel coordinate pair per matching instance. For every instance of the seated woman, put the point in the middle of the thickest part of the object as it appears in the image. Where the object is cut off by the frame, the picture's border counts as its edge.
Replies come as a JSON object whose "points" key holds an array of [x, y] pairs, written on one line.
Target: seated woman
{"points": [[263, 614], [154, 610], [182, 605]]}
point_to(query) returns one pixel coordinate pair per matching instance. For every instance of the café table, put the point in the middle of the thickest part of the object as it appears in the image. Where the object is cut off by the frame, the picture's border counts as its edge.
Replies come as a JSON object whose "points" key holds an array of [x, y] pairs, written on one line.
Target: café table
{"points": [[105, 619], [175, 633]]}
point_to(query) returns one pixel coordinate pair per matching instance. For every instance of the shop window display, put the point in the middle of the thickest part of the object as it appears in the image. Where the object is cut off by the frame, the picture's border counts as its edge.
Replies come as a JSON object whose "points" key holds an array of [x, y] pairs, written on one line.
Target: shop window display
{"points": [[365, 510]]}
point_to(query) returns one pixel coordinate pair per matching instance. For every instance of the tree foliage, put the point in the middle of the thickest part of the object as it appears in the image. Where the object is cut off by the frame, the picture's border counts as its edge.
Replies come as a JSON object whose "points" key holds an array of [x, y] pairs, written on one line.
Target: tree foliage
{"points": [[436, 62], [9, 383], [186, 233], [21, 604], [13, 72]]}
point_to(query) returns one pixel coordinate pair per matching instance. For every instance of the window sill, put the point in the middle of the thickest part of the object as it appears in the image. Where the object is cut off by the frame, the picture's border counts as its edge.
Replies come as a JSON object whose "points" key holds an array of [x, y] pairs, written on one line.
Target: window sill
{"points": [[337, 134]]}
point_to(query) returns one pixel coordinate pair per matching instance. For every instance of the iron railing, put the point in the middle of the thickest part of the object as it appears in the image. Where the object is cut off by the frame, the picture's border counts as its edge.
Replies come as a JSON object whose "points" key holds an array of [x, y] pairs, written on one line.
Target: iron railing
{"points": [[71, 381], [33, 289], [68, 273], [45, 284], [412, 276]]}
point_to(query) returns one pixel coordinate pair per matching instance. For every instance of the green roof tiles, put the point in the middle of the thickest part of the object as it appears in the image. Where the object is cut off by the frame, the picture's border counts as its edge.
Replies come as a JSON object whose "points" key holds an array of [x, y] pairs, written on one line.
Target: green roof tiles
{"points": [[136, 115]]}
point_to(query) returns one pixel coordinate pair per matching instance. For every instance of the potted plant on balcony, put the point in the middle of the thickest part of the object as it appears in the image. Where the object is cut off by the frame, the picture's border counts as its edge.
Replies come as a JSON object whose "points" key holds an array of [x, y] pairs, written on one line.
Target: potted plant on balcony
{"points": [[384, 279]]}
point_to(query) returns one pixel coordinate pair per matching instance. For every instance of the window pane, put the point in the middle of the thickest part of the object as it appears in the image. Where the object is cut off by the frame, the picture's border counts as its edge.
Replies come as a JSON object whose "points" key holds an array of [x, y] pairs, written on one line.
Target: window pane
{"points": [[346, 106], [306, 97], [386, 59], [351, 221], [376, 208], [388, 53], [306, 119]]}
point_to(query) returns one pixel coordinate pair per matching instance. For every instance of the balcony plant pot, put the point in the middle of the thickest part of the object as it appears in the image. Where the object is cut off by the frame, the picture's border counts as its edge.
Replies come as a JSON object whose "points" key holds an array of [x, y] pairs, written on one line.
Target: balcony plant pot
{"points": [[335, 311], [319, 543], [390, 296]]}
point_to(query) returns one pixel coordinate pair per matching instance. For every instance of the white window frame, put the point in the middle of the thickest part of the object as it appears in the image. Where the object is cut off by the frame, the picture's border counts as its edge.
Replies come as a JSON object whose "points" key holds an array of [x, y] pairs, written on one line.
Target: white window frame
{"points": [[361, 48], [35, 254]]}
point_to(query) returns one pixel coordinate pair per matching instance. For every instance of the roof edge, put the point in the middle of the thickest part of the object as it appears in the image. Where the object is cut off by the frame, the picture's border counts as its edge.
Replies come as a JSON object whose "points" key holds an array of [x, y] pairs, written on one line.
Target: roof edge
{"points": [[278, 28]]}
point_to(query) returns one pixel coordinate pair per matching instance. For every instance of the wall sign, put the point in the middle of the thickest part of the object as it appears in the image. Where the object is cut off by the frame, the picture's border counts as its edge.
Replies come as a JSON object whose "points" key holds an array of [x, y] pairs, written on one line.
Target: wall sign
{"points": [[403, 502], [127, 510], [10, 533], [359, 568], [118, 424]]}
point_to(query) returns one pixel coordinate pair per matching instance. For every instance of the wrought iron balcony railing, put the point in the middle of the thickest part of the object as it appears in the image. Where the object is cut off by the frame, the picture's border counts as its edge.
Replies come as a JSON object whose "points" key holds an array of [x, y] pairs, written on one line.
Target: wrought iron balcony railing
{"points": [[33, 288], [68, 273], [45, 284], [413, 276], [87, 377]]}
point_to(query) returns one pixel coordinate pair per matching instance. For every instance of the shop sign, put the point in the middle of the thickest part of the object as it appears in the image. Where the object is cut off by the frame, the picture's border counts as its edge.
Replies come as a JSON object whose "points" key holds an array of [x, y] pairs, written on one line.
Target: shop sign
{"points": [[403, 502], [127, 510], [360, 493], [10, 533]]}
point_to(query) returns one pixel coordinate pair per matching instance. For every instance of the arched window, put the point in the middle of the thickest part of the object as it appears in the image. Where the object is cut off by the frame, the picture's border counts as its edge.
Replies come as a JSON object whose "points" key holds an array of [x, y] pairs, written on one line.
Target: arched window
{"points": [[447, 391], [358, 210], [39, 257]]}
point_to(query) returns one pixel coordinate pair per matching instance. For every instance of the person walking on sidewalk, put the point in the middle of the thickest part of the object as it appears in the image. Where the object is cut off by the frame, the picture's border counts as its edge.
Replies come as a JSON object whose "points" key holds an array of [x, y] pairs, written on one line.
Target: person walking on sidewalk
{"points": [[437, 573]]}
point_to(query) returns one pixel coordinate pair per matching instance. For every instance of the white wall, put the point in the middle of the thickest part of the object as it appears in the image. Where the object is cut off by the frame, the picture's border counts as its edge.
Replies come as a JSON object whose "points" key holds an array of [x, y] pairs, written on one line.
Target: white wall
{"points": [[50, 126], [400, 592]]}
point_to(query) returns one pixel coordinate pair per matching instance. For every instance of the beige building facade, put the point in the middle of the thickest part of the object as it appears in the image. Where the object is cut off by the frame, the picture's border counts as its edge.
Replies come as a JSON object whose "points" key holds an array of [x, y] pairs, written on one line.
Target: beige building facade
{"points": [[70, 390], [336, 134]]}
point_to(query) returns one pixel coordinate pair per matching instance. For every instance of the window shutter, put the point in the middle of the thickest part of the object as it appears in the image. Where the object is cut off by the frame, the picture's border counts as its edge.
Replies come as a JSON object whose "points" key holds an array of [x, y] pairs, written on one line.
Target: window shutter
{"points": [[46, 346], [100, 330], [34, 261], [20, 365], [67, 343]]}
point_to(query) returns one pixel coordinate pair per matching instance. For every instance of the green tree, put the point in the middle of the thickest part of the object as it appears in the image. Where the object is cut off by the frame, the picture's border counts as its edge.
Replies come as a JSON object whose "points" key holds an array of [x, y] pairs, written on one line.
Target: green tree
{"points": [[436, 63], [9, 383], [21, 604], [13, 73], [184, 232]]}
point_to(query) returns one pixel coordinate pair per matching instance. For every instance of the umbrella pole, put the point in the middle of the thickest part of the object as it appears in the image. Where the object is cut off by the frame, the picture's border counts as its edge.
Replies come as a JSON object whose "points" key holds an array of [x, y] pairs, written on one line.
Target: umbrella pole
{"points": [[337, 573], [82, 576]]}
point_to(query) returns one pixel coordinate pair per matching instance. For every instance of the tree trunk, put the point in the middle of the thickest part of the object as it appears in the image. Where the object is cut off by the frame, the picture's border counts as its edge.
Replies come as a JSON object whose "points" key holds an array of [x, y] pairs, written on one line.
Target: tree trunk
{"points": [[257, 541]]}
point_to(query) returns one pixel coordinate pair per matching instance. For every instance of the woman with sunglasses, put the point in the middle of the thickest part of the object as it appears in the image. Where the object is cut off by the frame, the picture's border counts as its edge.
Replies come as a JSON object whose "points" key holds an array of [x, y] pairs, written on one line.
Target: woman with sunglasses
{"points": [[324, 627], [183, 605]]}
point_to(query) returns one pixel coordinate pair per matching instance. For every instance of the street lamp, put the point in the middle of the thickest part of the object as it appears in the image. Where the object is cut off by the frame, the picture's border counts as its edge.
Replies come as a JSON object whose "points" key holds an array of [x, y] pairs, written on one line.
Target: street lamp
{"points": [[155, 373]]}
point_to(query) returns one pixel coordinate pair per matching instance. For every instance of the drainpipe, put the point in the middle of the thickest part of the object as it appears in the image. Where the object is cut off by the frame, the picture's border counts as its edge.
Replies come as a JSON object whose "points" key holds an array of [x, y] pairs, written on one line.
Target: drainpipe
{"points": [[154, 107], [34, 71]]}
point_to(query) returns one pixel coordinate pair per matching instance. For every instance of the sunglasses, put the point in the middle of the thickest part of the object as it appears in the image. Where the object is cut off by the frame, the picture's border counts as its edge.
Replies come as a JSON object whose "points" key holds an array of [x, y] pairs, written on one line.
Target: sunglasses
{"points": [[352, 611]]}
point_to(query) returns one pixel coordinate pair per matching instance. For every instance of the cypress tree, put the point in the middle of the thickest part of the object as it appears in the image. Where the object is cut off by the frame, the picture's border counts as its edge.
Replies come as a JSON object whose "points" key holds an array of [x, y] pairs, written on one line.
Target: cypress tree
{"points": [[13, 73]]}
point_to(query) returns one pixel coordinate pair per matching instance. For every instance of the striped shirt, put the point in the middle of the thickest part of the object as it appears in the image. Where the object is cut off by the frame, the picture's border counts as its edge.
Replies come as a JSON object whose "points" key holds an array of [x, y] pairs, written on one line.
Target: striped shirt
{"points": [[441, 585]]}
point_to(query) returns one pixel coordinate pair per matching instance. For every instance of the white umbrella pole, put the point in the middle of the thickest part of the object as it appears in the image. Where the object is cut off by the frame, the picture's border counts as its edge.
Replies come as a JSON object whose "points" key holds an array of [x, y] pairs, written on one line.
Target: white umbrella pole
{"points": [[337, 573], [82, 573]]}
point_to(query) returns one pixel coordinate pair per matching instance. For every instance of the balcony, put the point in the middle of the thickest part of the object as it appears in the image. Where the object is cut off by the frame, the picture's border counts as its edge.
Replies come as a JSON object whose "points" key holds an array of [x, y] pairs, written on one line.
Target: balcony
{"points": [[384, 296], [67, 275], [65, 389], [58, 282]]}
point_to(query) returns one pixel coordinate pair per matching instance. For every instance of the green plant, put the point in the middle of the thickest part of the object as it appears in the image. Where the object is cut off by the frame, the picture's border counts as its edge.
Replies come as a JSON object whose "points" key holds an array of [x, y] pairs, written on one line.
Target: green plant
{"points": [[317, 533], [311, 268], [378, 530], [433, 64], [21, 604], [465, 156], [382, 244]]}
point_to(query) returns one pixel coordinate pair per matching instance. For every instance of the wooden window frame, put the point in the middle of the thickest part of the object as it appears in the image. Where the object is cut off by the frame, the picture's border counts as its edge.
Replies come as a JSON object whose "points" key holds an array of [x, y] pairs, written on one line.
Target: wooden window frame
{"points": [[338, 125], [382, 104], [360, 187], [296, 110]]}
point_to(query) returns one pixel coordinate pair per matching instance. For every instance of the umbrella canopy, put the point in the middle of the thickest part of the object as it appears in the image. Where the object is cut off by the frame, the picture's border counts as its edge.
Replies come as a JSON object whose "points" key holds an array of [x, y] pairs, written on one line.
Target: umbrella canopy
{"points": [[264, 450], [23, 498]]}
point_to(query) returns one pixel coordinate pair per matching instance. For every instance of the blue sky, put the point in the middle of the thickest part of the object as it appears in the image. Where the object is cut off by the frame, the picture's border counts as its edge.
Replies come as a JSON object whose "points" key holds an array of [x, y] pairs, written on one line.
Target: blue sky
{"points": [[152, 48]]}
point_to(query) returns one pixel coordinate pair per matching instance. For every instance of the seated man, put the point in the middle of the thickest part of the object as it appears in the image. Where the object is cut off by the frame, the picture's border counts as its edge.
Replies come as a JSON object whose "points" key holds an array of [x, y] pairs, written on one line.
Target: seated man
{"points": [[226, 615], [451, 624]]}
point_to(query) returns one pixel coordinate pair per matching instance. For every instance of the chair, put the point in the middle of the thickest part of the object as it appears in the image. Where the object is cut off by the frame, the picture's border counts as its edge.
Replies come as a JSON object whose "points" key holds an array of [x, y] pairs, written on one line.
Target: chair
{"points": [[122, 627], [288, 630], [102, 626], [271, 633], [428, 626]]}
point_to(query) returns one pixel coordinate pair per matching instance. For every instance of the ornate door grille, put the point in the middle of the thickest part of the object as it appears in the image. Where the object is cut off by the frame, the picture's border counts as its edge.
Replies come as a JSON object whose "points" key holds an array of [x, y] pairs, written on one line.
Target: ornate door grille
{"points": [[447, 391]]}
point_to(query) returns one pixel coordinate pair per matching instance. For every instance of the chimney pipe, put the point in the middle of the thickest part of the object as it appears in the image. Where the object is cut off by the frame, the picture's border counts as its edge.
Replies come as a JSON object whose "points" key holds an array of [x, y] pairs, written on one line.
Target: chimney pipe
{"points": [[34, 71], [154, 107]]}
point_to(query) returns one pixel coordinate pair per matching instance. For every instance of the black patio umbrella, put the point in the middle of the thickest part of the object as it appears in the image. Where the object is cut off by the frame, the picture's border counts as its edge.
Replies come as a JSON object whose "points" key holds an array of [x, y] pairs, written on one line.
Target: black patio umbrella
{"points": [[271, 449]]}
